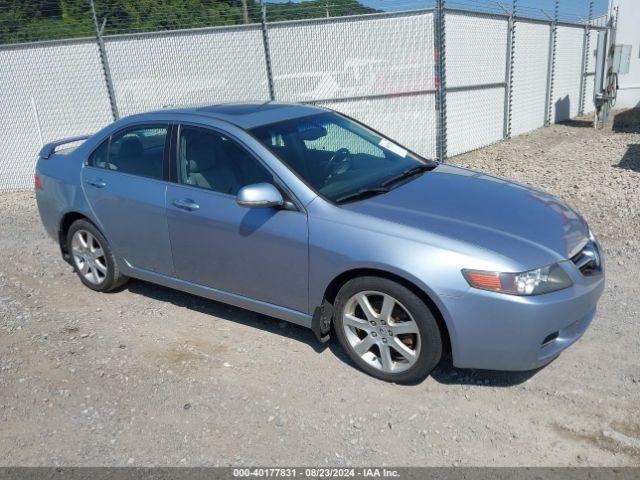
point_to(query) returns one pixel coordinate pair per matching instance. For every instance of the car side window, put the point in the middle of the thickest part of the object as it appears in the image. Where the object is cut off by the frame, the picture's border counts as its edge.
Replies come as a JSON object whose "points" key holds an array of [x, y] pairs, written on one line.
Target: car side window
{"points": [[208, 159], [137, 150], [100, 156]]}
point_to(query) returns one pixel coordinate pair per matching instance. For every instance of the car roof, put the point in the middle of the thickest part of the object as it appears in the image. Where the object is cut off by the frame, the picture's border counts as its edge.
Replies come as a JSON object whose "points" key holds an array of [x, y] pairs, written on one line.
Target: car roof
{"points": [[249, 114]]}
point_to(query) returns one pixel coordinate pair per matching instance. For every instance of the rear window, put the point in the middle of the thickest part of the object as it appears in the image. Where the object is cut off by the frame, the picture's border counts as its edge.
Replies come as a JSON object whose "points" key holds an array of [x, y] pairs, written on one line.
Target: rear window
{"points": [[137, 150], [100, 155]]}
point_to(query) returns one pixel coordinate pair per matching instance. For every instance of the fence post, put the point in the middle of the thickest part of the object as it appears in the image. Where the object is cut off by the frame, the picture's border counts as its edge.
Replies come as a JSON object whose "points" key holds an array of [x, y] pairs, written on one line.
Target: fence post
{"points": [[105, 63], [551, 69], [586, 45], [508, 89], [267, 53], [440, 74]]}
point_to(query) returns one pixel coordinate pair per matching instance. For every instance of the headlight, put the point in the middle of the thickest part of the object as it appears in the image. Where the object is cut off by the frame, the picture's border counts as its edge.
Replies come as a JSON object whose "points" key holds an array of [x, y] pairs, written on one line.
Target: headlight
{"points": [[534, 282]]}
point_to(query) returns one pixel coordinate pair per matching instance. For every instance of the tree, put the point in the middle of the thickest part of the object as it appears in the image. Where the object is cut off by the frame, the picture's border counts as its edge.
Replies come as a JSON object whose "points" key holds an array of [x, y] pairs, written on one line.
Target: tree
{"points": [[31, 20]]}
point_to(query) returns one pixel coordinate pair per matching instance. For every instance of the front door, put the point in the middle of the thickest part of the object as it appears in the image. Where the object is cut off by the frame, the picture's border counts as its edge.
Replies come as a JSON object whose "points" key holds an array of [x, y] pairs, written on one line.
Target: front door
{"points": [[124, 183], [258, 253]]}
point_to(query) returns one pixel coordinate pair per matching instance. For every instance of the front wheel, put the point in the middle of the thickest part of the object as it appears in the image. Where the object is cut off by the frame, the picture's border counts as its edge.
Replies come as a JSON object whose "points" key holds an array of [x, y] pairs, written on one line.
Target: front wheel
{"points": [[92, 257], [387, 330]]}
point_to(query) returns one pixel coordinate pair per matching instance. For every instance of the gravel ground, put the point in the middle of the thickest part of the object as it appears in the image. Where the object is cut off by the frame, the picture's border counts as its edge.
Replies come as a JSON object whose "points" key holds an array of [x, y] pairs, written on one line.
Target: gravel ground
{"points": [[149, 376]]}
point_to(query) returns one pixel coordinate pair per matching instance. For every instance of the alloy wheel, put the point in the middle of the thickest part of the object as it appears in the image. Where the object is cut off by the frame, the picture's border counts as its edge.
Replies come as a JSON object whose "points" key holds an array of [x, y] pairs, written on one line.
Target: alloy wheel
{"points": [[381, 331], [89, 257]]}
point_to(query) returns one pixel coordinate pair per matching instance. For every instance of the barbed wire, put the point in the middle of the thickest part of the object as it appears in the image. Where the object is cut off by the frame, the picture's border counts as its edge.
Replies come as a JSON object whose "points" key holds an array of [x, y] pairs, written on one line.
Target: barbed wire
{"points": [[31, 21]]}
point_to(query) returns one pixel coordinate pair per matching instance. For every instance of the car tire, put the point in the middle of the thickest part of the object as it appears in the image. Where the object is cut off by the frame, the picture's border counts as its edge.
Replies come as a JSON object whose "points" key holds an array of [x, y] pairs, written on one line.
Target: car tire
{"points": [[92, 257], [392, 356]]}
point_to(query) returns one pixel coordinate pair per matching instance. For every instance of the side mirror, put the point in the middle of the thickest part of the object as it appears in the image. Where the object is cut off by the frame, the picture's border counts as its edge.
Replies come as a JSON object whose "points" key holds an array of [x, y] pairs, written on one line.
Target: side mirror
{"points": [[259, 195]]}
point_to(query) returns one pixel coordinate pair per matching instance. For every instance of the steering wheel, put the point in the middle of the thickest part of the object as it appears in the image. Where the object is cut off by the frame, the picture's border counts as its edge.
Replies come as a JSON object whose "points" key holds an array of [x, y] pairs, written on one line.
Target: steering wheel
{"points": [[339, 163]]}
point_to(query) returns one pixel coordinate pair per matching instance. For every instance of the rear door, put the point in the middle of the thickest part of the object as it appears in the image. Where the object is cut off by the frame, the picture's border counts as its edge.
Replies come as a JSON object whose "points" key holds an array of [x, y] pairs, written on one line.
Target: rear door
{"points": [[124, 181]]}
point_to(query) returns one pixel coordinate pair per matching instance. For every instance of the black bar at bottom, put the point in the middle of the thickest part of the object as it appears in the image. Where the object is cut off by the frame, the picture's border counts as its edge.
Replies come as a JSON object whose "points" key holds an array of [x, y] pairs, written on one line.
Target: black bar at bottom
{"points": [[402, 473]]}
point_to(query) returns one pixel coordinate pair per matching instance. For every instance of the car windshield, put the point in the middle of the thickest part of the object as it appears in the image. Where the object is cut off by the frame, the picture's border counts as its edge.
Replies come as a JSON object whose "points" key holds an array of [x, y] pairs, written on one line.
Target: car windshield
{"points": [[341, 159]]}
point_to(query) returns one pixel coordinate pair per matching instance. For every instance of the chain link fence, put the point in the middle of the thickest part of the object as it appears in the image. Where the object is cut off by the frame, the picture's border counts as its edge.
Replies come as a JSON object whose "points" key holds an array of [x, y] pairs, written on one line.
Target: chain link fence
{"points": [[440, 79], [476, 51], [156, 70], [375, 68]]}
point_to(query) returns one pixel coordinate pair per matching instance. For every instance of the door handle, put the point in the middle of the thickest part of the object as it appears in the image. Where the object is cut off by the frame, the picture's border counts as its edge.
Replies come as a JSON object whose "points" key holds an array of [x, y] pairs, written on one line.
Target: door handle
{"points": [[97, 183], [186, 204]]}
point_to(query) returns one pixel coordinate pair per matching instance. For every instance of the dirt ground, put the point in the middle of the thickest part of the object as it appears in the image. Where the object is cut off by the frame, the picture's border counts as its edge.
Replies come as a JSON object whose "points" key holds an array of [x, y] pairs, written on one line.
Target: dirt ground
{"points": [[149, 376]]}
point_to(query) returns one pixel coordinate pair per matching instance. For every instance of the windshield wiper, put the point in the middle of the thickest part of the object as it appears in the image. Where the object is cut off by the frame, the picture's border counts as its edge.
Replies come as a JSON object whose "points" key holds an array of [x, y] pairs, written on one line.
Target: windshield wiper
{"points": [[384, 187], [408, 173], [360, 194]]}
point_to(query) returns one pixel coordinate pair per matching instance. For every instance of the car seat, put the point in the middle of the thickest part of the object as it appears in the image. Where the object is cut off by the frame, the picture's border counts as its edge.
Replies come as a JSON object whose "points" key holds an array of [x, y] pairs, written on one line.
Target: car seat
{"points": [[130, 154], [205, 166]]}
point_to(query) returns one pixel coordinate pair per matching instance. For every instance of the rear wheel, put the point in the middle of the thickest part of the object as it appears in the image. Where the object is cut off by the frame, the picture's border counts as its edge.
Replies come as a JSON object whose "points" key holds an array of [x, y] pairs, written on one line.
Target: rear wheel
{"points": [[387, 330], [92, 257]]}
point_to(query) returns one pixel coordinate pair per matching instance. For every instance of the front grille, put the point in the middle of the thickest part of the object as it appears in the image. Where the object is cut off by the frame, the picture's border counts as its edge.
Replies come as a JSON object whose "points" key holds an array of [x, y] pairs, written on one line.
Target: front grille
{"points": [[588, 260]]}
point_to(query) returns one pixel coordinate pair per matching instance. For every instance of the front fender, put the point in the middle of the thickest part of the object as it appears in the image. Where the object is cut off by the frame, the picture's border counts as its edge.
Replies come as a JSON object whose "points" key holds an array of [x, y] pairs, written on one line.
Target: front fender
{"points": [[336, 249]]}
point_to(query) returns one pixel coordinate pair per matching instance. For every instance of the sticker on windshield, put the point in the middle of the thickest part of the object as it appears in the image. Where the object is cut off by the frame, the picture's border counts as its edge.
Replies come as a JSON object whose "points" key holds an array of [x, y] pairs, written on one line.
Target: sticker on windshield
{"points": [[392, 147]]}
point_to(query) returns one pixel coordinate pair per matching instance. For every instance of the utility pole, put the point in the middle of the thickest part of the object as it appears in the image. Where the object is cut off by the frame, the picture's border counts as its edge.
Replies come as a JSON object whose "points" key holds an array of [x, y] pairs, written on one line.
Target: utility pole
{"points": [[326, 6], [245, 11]]}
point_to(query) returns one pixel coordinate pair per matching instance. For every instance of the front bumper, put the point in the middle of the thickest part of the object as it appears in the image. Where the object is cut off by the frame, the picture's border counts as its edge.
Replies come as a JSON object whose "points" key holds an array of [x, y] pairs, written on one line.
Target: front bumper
{"points": [[504, 332]]}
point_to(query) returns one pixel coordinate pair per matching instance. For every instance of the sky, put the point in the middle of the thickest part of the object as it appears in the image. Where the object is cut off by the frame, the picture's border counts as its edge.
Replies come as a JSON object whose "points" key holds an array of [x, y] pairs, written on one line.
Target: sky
{"points": [[569, 9]]}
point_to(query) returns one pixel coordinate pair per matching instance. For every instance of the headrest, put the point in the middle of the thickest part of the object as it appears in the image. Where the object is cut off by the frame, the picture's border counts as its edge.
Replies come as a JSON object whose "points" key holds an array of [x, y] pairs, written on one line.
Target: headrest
{"points": [[311, 132], [130, 147], [200, 155]]}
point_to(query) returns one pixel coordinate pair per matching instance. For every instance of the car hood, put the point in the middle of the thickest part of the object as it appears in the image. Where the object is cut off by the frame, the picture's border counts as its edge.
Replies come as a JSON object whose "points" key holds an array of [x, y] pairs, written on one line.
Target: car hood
{"points": [[527, 225]]}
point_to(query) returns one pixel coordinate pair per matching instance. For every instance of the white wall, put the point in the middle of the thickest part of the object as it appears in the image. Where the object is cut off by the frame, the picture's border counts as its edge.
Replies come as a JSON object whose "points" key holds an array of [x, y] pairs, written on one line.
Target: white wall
{"points": [[475, 118], [565, 102], [65, 84], [530, 72], [151, 71], [629, 34], [378, 69]]}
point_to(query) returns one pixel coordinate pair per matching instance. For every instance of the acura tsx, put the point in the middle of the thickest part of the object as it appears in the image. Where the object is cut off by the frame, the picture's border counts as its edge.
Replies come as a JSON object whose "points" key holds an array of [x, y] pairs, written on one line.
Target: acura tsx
{"points": [[301, 213]]}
